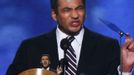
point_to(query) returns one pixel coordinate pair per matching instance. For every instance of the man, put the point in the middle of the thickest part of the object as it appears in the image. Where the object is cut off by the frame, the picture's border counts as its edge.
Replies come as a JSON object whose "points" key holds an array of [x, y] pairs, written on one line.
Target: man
{"points": [[95, 54], [45, 62]]}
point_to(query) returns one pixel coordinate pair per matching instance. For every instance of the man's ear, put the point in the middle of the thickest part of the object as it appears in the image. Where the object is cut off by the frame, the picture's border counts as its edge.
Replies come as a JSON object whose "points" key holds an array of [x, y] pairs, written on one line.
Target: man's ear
{"points": [[53, 14]]}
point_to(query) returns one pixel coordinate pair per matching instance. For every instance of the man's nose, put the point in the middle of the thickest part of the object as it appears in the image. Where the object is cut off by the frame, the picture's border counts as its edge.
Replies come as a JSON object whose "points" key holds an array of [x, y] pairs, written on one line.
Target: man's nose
{"points": [[74, 14]]}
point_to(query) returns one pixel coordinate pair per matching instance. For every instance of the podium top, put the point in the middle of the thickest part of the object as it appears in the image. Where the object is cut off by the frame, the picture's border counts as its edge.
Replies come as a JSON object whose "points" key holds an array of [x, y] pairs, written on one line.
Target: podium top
{"points": [[37, 71]]}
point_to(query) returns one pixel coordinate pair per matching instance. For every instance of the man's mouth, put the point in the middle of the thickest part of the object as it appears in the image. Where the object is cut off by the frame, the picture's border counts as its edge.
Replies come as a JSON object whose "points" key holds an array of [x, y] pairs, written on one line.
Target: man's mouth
{"points": [[45, 63], [75, 23]]}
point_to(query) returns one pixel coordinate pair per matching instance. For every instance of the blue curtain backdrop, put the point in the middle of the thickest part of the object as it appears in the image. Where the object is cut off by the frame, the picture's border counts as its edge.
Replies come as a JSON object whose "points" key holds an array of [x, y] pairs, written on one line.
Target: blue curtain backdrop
{"points": [[22, 19]]}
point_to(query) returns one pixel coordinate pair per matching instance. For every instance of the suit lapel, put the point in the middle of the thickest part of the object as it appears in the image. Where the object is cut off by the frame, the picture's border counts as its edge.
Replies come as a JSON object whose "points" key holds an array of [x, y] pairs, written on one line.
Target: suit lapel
{"points": [[53, 49], [88, 45]]}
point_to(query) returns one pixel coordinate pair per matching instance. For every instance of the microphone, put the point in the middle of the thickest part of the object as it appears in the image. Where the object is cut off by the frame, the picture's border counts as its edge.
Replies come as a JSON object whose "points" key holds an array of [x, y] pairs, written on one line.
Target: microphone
{"points": [[63, 62], [66, 42]]}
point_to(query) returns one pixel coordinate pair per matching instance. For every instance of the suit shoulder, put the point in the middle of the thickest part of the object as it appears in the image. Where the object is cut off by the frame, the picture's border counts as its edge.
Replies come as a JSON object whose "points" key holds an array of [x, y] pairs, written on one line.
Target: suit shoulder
{"points": [[99, 37], [40, 38]]}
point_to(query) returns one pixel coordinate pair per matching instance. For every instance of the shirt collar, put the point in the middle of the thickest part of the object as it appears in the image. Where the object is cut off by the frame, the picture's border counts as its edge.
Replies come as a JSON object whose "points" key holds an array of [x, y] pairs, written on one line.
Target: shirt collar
{"points": [[61, 35], [79, 37]]}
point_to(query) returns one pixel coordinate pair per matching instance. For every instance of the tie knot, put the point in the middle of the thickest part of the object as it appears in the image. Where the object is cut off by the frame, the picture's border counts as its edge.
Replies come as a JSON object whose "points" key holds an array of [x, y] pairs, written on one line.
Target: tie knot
{"points": [[70, 39]]}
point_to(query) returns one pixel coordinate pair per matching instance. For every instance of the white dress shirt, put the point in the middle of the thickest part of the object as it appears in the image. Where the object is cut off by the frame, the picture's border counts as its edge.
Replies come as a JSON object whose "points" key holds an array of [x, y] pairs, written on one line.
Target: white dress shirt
{"points": [[123, 73], [76, 44]]}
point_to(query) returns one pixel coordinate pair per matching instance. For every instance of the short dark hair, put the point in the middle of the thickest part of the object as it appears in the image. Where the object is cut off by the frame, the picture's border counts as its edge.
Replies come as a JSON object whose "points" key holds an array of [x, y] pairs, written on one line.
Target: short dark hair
{"points": [[46, 55], [54, 4]]}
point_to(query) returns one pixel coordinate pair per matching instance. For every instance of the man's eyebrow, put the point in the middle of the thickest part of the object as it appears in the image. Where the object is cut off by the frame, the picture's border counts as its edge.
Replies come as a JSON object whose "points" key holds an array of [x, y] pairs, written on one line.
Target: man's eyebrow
{"points": [[81, 6], [68, 0], [67, 8]]}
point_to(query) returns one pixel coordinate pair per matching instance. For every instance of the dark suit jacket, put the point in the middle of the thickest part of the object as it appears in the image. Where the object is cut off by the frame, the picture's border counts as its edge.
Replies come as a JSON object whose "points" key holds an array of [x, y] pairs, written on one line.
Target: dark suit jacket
{"points": [[100, 55]]}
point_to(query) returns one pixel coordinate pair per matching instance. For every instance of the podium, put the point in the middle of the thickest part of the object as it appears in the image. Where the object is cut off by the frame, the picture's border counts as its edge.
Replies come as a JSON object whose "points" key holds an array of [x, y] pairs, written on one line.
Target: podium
{"points": [[37, 71]]}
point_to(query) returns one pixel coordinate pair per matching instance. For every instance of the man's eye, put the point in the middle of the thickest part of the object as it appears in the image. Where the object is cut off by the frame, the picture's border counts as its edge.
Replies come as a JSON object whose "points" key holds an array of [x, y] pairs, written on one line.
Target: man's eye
{"points": [[66, 10], [80, 8]]}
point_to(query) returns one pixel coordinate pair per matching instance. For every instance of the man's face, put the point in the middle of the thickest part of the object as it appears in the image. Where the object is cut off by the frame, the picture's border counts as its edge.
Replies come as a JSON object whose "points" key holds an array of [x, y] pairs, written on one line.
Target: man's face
{"points": [[45, 61], [70, 15]]}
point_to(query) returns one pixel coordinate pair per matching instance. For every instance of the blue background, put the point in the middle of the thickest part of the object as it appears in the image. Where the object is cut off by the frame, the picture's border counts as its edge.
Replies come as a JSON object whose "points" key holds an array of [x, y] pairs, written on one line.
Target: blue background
{"points": [[22, 19]]}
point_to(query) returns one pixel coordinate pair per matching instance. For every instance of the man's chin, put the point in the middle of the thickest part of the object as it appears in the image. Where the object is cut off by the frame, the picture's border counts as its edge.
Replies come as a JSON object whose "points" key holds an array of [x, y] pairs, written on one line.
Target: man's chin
{"points": [[76, 31], [73, 33], [45, 66]]}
